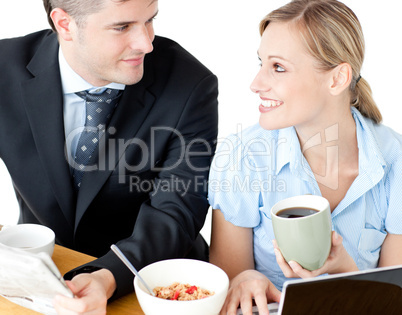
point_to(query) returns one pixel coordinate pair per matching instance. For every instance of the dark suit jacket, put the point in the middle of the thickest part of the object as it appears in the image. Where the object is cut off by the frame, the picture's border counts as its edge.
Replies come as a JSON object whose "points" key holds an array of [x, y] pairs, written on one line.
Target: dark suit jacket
{"points": [[164, 139]]}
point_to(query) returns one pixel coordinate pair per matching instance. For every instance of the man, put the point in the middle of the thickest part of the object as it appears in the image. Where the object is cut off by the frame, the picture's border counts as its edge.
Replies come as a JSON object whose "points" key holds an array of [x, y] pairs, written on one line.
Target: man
{"points": [[143, 185]]}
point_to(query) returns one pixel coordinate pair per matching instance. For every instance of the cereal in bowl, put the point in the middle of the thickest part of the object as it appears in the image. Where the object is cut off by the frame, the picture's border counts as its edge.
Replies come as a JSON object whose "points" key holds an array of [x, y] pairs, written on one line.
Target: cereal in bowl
{"points": [[181, 292]]}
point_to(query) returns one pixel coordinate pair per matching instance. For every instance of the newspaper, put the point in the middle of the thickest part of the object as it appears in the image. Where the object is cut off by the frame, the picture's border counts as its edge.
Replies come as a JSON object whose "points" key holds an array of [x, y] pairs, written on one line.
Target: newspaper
{"points": [[30, 280]]}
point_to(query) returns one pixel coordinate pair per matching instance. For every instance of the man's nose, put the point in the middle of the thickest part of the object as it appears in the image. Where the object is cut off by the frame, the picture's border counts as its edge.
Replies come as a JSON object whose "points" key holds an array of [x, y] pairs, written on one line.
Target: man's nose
{"points": [[142, 40]]}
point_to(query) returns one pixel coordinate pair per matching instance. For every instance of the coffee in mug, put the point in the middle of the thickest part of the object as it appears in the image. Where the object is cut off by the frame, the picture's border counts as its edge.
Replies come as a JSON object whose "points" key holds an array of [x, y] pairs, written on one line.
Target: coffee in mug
{"points": [[296, 212]]}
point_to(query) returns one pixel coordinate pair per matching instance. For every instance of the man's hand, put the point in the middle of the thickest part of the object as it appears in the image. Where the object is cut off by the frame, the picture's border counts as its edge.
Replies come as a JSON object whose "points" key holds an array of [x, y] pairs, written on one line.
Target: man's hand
{"points": [[91, 292]]}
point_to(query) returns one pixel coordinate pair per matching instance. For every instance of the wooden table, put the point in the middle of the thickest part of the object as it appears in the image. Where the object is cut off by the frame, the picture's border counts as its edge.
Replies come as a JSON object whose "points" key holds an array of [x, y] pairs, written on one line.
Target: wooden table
{"points": [[67, 259]]}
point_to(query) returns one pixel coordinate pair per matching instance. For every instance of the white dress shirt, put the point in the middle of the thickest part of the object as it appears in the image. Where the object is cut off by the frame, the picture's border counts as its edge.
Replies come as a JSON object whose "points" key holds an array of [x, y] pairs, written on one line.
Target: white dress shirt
{"points": [[74, 110]]}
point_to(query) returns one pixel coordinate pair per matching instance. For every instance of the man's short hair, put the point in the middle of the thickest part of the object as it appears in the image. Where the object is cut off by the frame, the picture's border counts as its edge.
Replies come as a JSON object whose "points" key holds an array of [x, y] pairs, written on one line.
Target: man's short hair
{"points": [[78, 9]]}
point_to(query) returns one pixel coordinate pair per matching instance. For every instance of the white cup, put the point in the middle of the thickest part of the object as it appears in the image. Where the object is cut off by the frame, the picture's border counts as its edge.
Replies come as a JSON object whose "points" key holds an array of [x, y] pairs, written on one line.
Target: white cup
{"points": [[32, 238]]}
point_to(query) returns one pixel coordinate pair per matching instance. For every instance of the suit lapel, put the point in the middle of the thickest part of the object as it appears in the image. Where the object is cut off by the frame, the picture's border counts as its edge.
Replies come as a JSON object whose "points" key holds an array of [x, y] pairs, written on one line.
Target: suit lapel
{"points": [[131, 112], [43, 100]]}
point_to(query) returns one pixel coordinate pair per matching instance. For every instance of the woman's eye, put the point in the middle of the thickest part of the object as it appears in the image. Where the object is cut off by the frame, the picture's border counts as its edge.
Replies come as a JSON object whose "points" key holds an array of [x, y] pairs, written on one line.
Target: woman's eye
{"points": [[278, 68]]}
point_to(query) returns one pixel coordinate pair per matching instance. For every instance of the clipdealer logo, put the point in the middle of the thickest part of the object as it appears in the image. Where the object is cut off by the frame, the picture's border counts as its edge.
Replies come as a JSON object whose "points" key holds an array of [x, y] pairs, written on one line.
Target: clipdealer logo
{"points": [[266, 149], [235, 154], [330, 177], [115, 154]]}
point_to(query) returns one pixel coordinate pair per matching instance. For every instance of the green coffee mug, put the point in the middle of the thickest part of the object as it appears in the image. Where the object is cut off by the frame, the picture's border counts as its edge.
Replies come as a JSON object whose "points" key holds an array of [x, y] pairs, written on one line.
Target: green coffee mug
{"points": [[302, 228]]}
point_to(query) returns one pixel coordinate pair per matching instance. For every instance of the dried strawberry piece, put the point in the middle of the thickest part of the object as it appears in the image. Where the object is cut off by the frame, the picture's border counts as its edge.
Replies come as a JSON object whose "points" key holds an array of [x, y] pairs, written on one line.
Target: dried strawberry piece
{"points": [[176, 294], [191, 289]]}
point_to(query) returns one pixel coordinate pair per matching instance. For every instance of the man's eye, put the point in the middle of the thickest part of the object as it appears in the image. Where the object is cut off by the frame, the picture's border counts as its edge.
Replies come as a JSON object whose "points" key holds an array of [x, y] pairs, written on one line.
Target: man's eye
{"points": [[278, 68], [121, 28]]}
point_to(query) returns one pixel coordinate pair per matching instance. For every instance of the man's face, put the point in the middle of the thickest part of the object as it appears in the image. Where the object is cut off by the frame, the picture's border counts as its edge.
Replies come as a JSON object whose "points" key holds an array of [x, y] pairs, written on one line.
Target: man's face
{"points": [[111, 44]]}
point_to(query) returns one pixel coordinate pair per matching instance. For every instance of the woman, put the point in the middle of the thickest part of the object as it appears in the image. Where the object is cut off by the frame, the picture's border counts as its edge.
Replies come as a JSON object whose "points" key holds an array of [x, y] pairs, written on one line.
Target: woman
{"points": [[319, 133]]}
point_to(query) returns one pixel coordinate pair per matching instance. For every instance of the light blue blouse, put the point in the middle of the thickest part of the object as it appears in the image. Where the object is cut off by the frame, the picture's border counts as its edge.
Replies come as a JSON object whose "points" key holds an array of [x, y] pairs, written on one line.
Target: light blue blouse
{"points": [[253, 170]]}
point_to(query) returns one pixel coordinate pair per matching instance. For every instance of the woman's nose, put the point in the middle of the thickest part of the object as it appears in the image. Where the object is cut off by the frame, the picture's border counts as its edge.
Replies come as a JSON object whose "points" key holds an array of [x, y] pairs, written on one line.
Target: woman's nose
{"points": [[260, 82]]}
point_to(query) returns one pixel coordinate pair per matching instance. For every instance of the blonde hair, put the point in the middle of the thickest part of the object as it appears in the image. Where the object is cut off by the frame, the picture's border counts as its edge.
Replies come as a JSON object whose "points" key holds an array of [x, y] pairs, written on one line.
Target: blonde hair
{"points": [[333, 35]]}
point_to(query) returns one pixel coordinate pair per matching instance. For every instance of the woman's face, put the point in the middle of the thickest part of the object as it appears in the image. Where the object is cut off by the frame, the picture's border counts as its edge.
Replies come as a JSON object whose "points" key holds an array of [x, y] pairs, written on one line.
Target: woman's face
{"points": [[293, 91]]}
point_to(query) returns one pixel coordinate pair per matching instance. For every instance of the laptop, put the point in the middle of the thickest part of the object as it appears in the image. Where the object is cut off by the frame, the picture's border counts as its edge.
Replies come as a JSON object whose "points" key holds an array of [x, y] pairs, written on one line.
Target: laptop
{"points": [[374, 291]]}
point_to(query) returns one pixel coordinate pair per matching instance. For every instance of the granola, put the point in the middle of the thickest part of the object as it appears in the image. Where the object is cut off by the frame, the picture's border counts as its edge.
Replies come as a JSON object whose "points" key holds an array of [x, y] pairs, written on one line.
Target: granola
{"points": [[181, 292]]}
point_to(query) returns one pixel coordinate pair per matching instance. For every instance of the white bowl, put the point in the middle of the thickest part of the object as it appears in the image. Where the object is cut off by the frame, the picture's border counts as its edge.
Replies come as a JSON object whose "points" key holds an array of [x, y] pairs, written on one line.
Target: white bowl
{"points": [[184, 271]]}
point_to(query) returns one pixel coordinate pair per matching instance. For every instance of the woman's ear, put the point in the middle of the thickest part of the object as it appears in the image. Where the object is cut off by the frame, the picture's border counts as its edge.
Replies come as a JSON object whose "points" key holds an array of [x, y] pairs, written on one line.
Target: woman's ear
{"points": [[62, 22], [341, 76]]}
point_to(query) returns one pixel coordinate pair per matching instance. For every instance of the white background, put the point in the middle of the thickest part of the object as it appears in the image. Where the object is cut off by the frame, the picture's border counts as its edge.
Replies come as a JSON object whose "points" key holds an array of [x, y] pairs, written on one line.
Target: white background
{"points": [[223, 34]]}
